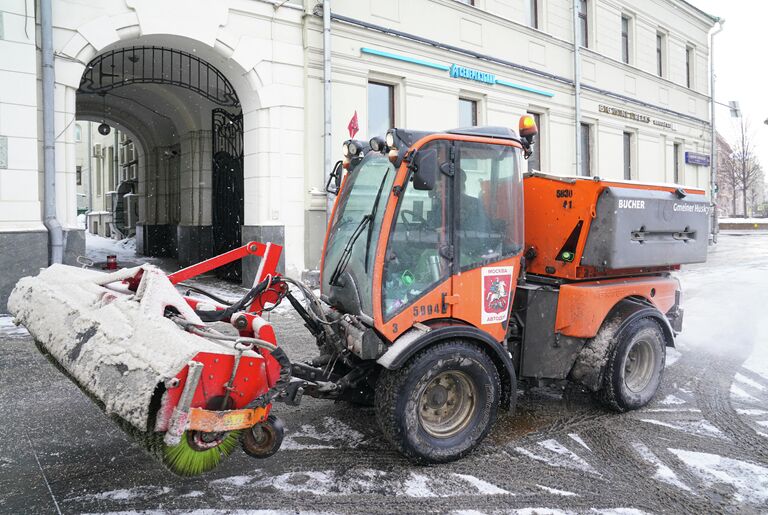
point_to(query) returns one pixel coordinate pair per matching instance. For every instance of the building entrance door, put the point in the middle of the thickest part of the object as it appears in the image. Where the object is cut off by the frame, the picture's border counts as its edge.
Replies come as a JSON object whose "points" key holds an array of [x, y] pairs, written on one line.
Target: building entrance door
{"points": [[228, 202]]}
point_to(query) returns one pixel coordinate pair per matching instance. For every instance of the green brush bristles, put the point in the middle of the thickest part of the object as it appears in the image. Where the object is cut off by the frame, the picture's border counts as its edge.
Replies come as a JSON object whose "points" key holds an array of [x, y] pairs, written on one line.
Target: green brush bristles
{"points": [[184, 460]]}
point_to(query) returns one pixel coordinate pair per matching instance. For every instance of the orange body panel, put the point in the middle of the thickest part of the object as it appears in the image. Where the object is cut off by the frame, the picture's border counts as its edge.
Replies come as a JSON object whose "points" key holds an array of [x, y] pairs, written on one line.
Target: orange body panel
{"points": [[583, 306], [469, 288], [553, 207], [231, 420]]}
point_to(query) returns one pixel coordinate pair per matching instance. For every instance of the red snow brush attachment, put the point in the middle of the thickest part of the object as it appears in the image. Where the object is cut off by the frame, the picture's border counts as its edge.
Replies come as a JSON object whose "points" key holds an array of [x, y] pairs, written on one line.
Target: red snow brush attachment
{"points": [[134, 344]]}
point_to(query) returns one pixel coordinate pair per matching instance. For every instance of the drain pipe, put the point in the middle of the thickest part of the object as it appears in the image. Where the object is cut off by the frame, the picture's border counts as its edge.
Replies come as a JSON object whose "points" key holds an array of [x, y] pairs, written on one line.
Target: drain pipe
{"points": [[577, 85], [715, 226], [89, 155], [55, 232], [327, 156]]}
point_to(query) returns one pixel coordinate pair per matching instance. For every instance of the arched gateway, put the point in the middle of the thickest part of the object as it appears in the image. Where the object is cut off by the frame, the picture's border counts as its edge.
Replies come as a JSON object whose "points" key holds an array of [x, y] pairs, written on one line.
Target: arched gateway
{"points": [[190, 175]]}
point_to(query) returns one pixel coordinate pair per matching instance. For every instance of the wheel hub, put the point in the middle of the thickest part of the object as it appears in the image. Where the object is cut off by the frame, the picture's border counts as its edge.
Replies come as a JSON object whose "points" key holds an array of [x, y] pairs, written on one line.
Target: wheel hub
{"points": [[447, 403], [639, 365]]}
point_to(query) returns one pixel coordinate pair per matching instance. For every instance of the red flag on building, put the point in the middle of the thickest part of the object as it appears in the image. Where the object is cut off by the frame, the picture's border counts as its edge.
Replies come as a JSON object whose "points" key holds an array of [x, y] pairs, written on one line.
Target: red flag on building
{"points": [[353, 127]]}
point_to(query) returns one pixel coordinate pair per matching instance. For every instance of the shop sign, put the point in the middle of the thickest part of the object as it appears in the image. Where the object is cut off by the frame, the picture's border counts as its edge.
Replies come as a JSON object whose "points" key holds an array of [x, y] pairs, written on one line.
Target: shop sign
{"points": [[460, 72], [696, 158], [457, 72], [635, 117]]}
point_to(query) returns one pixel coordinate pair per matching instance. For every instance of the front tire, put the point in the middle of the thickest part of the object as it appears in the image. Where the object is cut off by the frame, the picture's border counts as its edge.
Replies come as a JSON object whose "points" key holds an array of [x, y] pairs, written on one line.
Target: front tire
{"points": [[633, 372], [441, 403]]}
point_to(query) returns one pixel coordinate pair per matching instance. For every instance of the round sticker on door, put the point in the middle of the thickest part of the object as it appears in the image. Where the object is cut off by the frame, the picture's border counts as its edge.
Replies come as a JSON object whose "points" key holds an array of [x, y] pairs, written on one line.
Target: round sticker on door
{"points": [[497, 286]]}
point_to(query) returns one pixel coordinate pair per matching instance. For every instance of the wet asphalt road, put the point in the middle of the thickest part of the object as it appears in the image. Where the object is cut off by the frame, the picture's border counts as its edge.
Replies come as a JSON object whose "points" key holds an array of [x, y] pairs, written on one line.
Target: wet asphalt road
{"points": [[700, 446]]}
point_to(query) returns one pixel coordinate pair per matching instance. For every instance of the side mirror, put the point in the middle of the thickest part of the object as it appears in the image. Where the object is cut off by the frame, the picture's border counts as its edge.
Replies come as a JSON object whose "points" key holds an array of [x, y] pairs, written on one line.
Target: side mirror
{"points": [[425, 169], [334, 180]]}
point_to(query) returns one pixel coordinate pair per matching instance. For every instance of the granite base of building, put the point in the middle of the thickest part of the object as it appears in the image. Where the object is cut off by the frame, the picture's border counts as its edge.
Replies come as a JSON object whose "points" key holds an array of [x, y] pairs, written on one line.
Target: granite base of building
{"points": [[264, 234], [195, 243], [74, 246], [156, 240], [21, 254]]}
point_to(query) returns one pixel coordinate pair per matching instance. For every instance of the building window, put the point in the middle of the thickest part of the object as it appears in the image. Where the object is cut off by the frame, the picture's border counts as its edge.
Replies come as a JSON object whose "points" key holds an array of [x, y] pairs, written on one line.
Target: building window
{"points": [[583, 25], [586, 148], [625, 39], [690, 57], [533, 13], [78, 133], [660, 64], [534, 162], [627, 136], [381, 108], [467, 112], [676, 162], [79, 175]]}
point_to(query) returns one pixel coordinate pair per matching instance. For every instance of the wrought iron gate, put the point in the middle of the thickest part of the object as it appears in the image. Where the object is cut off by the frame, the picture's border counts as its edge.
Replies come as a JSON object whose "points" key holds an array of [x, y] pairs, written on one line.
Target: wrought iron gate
{"points": [[228, 197]]}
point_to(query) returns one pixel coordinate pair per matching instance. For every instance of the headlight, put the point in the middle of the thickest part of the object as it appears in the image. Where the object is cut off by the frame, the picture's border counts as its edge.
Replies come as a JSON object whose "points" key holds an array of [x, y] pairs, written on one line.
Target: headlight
{"points": [[377, 144], [354, 149], [345, 149], [390, 139]]}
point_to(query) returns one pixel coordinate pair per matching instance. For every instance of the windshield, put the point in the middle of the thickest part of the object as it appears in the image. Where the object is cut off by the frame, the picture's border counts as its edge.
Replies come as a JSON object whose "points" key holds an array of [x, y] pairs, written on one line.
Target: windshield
{"points": [[364, 195]]}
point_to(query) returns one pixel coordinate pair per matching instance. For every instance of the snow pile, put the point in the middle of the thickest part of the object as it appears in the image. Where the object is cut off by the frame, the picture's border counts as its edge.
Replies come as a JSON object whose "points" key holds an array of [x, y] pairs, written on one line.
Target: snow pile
{"points": [[695, 427], [724, 302], [429, 484], [98, 248], [663, 472], [558, 456], [749, 481], [10, 330], [334, 434]]}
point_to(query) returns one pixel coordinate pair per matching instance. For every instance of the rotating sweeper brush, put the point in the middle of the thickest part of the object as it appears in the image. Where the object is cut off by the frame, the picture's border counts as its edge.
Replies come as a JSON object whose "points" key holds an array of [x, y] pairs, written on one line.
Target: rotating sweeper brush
{"points": [[152, 359]]}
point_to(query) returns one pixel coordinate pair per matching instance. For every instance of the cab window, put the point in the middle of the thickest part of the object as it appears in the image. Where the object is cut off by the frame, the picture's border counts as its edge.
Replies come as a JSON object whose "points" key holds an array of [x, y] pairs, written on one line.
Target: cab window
{"points": [[490, 188], [414, 261]]}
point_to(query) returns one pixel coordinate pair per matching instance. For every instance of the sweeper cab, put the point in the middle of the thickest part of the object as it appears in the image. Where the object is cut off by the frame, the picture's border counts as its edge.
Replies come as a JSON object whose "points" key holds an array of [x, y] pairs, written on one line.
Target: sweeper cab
{"points": [[448, 277]]}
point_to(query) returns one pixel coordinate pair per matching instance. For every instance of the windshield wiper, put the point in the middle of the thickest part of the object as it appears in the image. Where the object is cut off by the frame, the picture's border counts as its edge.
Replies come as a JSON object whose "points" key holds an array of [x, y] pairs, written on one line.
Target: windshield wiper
{"points": [[347, 252], [373, 217]]}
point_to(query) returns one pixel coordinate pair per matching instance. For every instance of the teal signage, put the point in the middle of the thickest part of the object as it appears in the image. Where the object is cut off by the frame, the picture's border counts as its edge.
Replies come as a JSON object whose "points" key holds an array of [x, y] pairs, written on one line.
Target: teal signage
{"points": [[457, 72]]}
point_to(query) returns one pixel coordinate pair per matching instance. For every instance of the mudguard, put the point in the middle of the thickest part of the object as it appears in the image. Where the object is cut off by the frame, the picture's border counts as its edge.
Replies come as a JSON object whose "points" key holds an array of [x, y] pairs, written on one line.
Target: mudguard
{"points": [[415, 339], [589, 364]]}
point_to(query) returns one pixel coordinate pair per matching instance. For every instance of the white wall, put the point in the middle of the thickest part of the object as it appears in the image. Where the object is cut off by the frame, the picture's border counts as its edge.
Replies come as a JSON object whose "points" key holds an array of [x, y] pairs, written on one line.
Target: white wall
{"points": [[20, 186]]}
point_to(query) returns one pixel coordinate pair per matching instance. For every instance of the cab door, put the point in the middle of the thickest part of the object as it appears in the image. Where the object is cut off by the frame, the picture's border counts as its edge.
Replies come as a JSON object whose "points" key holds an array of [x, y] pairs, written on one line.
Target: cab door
{"points": [[489, 234], [418, 262]]}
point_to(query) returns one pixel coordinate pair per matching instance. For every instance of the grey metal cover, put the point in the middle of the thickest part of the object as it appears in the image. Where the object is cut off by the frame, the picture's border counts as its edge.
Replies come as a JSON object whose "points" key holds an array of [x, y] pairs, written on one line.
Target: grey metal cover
{"points": [[637, 228]]}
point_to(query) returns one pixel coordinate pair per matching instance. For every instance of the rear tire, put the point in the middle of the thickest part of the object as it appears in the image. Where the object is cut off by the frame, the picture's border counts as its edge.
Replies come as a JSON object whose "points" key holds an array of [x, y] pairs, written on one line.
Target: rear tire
{"points": [[441, 403], [633, 371]]}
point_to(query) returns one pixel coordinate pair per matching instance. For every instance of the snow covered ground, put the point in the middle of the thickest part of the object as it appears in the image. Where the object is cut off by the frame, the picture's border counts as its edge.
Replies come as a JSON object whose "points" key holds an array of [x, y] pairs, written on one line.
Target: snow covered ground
{"points": [[700, 446]]}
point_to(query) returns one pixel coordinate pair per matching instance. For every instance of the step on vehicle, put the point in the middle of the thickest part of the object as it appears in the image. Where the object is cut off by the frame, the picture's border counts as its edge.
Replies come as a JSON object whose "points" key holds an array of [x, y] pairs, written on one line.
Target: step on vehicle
{"points": [[448, 276]]}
